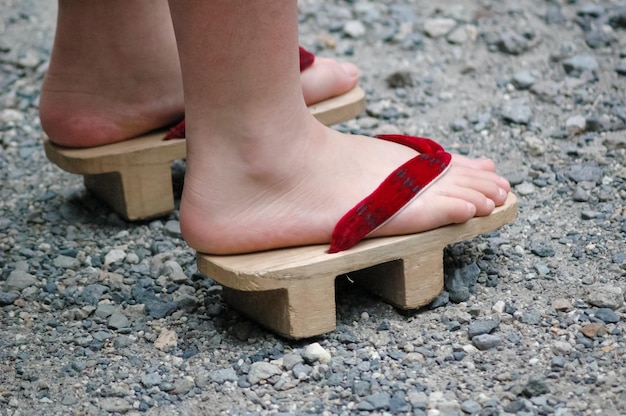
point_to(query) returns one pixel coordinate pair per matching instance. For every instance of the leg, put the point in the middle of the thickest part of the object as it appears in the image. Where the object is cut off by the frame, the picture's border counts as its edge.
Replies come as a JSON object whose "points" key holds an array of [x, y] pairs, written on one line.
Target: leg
{"points": [[114, 73], [262, 173]]}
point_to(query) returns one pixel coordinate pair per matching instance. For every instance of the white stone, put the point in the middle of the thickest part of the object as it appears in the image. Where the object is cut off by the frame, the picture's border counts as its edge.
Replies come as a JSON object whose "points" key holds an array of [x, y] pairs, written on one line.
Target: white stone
{"points": [[166, 340], [114, 256], [316, 350], [576, 124], [439, 26]]}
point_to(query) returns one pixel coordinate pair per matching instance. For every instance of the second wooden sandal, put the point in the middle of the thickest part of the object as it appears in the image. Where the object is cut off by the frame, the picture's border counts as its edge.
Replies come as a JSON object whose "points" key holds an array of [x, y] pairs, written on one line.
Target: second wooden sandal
{"points": [[133, 177]]}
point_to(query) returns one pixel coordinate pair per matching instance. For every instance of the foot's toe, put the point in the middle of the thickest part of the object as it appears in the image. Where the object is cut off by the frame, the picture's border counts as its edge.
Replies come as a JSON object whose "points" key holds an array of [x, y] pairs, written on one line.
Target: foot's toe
{"points": [[327, 78]]}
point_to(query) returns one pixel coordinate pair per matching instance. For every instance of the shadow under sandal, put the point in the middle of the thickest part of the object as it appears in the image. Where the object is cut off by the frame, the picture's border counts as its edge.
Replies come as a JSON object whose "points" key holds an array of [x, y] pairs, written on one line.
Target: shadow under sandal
{"points": [[133, 177], [292, 291]]}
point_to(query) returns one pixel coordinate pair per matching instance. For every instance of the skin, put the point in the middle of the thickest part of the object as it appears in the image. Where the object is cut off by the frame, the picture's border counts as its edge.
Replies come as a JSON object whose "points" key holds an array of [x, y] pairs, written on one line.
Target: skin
{"points": [[261, 173], [87, 100]]}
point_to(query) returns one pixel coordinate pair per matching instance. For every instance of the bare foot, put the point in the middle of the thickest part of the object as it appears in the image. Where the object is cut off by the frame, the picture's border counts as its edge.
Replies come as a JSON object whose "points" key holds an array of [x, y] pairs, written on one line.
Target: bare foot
{"points": [[123, 80], [255, 200]]}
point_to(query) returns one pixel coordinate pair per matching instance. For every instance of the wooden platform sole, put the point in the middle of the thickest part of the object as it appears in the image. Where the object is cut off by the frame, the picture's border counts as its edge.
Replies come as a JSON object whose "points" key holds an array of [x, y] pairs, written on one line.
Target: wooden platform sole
{"points": [[292, 291], [134, 177]]}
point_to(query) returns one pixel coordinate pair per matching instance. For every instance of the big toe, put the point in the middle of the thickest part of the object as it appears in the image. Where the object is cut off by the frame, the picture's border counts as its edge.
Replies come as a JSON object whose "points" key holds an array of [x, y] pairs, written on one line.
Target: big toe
{"points": [[328, 78]]}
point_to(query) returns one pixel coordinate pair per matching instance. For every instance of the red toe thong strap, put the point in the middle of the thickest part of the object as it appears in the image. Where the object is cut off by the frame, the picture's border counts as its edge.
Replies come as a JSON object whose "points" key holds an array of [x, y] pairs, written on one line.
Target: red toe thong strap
{"points": [[176, 132], [393, 194], [306, 61]]}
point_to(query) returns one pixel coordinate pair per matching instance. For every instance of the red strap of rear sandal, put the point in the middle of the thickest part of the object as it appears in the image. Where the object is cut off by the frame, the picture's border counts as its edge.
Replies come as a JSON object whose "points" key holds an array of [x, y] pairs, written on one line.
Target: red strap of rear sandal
{"points": [[393, 194]]}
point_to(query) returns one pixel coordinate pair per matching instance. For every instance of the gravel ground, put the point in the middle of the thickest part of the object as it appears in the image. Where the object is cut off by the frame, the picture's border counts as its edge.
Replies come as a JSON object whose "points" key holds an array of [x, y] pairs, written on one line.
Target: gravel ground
{"points": [[98, 316]]}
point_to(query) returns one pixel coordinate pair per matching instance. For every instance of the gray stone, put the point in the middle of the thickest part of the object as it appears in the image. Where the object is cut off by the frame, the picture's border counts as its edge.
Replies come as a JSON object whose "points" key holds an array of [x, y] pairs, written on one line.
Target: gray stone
{"points": [[115, 405], [7, 298], [558, 362], [183, 385], [459, 283], [591, 10], [439, 26], [19, 280], [458, 35], [525, 188], [104, 310], [531, 318], [302, 371], [606, 315], [599, 38], [580, 195], [223, 375], [172, 228], [291, 359], [588, 214], [118, 321], [376, 401], [123, 342], [611, 297], [546, 90], [114, 256], [92, 293], [354, 29], [543, 250], [523, 80], [470, 407], [101, 336], [151, 379], [579, 64], [535, 386], [517, 111], [486, 341], [512, 43], [262, 371], [588, 172], [315, 352], [66, 262], [155, 307], [482, 326]]}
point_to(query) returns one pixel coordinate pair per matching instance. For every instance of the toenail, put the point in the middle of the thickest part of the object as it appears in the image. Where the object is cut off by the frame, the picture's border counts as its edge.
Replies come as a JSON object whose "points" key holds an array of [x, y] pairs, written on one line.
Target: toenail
{"points": [[350, 69]]}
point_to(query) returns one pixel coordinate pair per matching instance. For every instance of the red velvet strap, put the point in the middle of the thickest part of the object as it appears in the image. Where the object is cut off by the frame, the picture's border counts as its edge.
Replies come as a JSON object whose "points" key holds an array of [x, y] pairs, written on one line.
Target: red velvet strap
{"points": [[176, 132], [393, 194], [306, 60]]}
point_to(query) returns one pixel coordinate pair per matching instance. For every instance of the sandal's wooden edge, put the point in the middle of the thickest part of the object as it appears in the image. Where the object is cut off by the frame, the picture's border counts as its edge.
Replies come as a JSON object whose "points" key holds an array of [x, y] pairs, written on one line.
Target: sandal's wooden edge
{"points": [[341, 108], [273, 269], [149, 149]]}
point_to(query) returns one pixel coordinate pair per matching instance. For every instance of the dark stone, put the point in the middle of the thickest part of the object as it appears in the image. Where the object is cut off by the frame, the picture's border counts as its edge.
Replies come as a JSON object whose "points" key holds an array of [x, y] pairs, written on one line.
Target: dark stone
{"points": [[7, 298], [543, 250], [579, 64], [92, 293], [606, 315], [400, 79], [379, 401], [483, 326], [486, 341], [512, 43], [535, 386], [156, 307], [444, 298], [531, 318], [461, 281], [558, 362]]}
